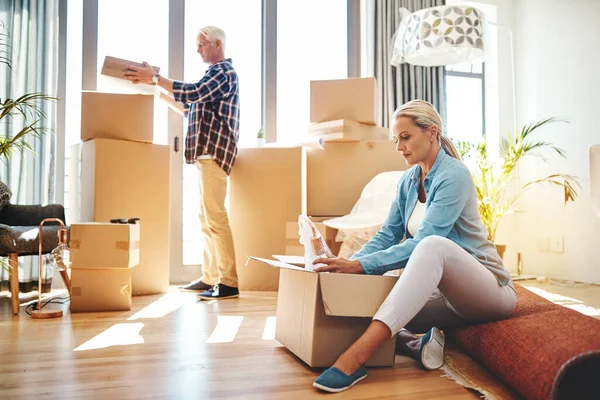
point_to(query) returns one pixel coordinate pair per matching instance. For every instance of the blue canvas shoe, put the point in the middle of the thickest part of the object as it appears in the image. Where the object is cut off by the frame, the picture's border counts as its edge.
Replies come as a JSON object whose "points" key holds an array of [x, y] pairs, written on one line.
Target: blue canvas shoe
{"points": [[333, 380], [431, 353]]}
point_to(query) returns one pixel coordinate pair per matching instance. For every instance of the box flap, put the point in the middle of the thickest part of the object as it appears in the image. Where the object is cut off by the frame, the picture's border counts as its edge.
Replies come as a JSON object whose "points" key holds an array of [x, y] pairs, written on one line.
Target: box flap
{"points": [[350, 295], [297, 261], [278, 264]]}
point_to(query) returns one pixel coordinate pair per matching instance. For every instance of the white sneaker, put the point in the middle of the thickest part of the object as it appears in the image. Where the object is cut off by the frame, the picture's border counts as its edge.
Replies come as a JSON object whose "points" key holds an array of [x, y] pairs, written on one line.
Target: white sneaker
{"points": [[431, 353]]}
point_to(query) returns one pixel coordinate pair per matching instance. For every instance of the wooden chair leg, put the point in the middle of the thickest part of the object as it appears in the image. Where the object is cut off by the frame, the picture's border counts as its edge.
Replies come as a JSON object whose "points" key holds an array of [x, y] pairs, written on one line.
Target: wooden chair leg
{"points": [[13, 260]]}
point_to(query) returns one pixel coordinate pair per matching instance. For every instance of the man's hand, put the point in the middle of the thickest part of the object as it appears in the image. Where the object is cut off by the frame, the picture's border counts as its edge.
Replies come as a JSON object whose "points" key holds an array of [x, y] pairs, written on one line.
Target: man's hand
{"points": [[139, 74], [339, 265]]}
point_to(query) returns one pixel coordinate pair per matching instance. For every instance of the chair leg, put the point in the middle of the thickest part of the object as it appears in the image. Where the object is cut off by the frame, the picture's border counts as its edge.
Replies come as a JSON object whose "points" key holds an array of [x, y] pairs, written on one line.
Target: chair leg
{"points": [[13, 260]]}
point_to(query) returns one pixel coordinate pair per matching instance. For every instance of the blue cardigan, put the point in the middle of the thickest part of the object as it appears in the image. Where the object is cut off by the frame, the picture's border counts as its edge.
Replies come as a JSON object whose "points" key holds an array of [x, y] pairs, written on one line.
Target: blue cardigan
{"points": [[451, 212]]}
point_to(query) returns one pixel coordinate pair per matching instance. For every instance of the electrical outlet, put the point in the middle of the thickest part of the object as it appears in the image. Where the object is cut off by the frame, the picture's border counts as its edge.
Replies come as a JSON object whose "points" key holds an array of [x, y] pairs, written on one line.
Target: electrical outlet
{"points": [[557, 244], [544, 244]]}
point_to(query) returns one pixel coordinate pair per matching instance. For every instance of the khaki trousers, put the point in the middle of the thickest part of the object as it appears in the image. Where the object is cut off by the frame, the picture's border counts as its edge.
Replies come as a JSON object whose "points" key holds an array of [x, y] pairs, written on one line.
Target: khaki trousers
{"points": [[219, 255]]}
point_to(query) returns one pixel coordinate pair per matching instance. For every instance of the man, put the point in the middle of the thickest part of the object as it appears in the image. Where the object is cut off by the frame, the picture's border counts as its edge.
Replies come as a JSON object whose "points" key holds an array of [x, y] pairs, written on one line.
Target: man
{"points": [[212, 108]]}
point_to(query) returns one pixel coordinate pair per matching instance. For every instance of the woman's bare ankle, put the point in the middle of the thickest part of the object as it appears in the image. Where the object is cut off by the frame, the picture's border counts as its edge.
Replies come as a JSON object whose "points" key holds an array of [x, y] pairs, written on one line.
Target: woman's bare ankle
{"points": [[348, 363]]}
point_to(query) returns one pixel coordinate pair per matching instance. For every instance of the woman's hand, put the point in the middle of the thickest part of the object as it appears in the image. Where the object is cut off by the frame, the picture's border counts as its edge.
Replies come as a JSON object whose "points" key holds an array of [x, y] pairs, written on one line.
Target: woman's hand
{"points": [[339, 265]]}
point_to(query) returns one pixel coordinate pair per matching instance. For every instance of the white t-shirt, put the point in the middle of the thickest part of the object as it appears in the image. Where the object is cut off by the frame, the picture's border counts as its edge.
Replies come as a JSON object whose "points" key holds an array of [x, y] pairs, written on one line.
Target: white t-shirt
{"points": [[414, 222]]}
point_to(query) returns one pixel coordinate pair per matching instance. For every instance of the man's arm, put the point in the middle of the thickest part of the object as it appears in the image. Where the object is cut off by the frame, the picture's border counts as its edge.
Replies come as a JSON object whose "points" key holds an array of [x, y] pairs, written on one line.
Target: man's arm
{"points": [[173, 105], [145, 74]]}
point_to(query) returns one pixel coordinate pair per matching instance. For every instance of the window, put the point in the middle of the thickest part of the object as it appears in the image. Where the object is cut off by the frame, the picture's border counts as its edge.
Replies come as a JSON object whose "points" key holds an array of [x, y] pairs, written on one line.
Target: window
{"points": [[73, 88], [465, 107], [144, 37], [312, 43]]}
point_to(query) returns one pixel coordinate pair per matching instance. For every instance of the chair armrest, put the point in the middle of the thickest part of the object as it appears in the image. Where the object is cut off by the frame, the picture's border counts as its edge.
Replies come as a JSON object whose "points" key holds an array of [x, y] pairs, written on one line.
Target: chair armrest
{"points": [[30, 215]]}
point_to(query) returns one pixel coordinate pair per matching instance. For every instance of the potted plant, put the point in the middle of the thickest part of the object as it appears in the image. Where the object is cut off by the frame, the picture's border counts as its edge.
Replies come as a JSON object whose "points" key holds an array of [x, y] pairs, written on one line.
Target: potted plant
{"points": [[260, 138], [492, 177]]}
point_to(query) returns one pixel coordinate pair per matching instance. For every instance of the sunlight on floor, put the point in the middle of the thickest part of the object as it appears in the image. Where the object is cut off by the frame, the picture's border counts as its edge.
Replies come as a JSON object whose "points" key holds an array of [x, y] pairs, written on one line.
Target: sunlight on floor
{"points": [[226, 329], [565, 301], [116, 335], [269, 332], [161, 307]]}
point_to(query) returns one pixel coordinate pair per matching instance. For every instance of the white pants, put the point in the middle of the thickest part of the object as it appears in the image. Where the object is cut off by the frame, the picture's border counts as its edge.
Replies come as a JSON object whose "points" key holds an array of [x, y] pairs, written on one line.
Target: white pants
{"points": [[468, 292]]}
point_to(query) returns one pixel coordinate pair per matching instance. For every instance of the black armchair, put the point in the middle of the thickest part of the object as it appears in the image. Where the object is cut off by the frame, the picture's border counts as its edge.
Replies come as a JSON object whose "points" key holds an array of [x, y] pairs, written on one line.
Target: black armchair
{"points": [[19, 236]]}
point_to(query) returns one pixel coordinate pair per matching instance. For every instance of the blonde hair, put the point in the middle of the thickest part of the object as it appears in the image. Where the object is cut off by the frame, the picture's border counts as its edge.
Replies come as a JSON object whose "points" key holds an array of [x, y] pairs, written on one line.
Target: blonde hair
{"points": [[424, 115], [212, 34]]}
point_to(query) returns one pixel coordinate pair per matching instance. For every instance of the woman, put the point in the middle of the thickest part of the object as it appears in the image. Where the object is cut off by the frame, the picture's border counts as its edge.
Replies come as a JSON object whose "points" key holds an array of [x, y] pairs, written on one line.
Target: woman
{"points": [[452, 272]]}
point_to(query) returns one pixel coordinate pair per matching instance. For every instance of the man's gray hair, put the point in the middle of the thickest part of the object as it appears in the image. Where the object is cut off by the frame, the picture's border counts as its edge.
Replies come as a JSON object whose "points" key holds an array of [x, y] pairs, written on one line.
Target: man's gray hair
{"points": [[212, 34]]}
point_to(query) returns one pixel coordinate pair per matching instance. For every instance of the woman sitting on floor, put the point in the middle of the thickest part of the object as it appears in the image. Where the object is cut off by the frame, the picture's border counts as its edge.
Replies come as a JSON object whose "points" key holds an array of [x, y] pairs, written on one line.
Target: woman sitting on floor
{"points": [[453, 274]]}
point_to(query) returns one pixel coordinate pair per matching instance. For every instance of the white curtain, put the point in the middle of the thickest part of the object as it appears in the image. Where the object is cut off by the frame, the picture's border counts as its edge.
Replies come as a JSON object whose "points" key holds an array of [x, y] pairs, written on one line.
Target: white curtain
{"points": [[31, 28], [397, 85]]}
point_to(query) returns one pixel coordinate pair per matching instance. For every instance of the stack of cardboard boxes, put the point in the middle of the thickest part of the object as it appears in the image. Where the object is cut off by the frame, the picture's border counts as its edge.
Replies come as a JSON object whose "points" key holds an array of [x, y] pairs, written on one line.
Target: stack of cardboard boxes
{"points": [[102, 255], [343, 113], [318, 314], [117, 172]]}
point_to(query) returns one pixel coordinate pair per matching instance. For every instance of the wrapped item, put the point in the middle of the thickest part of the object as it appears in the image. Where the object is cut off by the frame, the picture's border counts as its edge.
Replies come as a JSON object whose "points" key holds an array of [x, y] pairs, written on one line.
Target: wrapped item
{"points": [[353, 241], [367, 215], [314, 244]]}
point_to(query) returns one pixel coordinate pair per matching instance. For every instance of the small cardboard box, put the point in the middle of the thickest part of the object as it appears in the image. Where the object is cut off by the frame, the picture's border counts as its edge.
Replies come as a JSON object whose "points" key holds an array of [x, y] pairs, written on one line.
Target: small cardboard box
{"points": [[114, 66], [107, 289], [343, 130], [319, 315], [104, 245], [117, 116], [293, 247], [355, 99]]}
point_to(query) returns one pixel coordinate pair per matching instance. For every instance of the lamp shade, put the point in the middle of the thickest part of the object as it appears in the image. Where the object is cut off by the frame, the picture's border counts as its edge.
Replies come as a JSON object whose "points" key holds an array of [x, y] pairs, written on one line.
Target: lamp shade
{"points": [[439, 36]]}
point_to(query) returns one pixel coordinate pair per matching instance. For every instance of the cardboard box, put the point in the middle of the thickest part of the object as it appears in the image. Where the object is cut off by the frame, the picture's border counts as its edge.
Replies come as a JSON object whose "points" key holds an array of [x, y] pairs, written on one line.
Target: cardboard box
{"points": [[104, 245], [267, 190], [355, 99], [114, 66], [106, 289], [319, 315], [337, 175], [343, 130], [293, 247], [121, 179], [117, 116]]}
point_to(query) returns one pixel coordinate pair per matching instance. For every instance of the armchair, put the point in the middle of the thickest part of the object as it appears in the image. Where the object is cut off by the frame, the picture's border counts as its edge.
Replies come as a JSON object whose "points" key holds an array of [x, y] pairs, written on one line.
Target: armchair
{"points": [[19, 236]]}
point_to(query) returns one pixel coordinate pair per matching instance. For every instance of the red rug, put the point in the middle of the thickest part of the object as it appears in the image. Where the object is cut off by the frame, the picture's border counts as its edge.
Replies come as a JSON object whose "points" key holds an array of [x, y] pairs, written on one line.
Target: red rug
{"points": [[544, 351]]}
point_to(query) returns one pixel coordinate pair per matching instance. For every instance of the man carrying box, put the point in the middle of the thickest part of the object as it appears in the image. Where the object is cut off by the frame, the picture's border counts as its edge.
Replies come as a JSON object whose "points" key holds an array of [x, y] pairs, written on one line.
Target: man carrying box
{"points": [[212, 108]]}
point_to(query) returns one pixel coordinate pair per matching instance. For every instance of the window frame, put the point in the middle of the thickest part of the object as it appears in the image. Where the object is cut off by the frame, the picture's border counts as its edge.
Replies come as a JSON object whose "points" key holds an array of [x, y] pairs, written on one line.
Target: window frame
{"points": [[469, 75]]}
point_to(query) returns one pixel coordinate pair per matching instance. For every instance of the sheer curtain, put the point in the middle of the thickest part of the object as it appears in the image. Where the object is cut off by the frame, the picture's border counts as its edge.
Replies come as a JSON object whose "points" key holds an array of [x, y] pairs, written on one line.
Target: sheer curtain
{"points": [[31, 28]]}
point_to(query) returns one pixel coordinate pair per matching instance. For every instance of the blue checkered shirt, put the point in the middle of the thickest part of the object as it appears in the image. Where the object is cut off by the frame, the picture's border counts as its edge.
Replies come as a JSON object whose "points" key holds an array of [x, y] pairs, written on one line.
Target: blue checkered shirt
{"points": [[212, 107]]}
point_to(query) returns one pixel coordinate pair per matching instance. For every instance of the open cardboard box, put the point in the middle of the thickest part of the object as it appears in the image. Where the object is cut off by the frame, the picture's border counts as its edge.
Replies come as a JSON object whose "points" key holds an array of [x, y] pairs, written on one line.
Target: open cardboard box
{"points": [[319, 315]]}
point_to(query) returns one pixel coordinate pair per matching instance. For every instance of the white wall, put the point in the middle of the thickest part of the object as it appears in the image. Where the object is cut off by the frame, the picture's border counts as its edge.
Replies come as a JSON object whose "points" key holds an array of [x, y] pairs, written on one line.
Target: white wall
{"points": [[558, 58], [499, 97]]}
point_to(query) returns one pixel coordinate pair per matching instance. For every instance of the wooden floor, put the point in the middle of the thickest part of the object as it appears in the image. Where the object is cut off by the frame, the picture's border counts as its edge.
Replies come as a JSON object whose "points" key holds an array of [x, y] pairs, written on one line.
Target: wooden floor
{"points": [[172, 347]]}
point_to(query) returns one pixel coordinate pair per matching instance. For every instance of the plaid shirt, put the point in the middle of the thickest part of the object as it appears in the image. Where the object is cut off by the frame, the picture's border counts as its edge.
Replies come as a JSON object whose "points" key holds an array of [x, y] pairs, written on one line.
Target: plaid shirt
{"points": [[212, 108]]}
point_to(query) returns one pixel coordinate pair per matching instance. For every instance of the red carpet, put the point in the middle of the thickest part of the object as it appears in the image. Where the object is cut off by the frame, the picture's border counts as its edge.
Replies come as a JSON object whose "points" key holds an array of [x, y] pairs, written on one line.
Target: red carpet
{"points": [[544, 351]]}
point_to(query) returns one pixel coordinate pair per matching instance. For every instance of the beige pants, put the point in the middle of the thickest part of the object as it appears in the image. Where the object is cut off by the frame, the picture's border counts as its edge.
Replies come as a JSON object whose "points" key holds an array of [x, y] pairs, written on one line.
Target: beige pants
{"points": [[219, 255]]}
